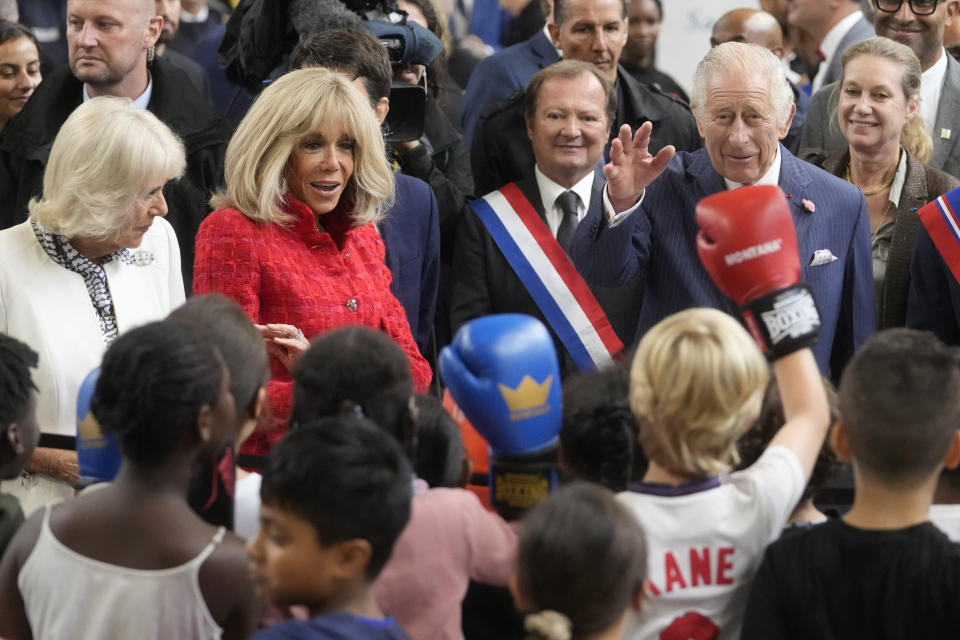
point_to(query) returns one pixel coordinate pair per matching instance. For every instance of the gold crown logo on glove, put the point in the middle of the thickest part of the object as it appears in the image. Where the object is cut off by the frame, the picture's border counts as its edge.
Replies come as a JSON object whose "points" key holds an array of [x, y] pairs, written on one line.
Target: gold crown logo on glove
{"points": [[529, 399], [91, 435]]}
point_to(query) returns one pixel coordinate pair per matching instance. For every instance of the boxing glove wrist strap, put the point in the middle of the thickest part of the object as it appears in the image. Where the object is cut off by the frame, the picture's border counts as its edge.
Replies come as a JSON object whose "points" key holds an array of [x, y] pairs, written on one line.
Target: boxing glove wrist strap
{"points": [[518, 482], [783, 321]]}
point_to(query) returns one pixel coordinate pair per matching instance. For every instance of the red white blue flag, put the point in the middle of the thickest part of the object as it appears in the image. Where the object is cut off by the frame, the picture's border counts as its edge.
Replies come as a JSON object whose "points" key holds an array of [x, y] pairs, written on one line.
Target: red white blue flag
{"points": [[943, 224], [549, 277]]}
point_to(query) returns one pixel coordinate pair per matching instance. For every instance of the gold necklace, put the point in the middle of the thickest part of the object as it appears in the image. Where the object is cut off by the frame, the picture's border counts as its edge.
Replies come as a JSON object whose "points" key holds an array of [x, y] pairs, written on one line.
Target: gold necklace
{"points": [[875, 191]]}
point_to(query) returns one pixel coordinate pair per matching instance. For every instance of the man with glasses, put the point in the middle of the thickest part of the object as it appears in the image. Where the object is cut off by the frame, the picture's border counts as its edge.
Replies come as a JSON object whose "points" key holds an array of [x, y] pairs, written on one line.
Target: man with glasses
{"points": [[919, 24]]}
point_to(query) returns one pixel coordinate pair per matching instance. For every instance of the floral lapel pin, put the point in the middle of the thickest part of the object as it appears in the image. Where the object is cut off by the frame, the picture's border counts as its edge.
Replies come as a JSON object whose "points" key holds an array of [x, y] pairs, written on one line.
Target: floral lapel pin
{"points": [[807, 206]]}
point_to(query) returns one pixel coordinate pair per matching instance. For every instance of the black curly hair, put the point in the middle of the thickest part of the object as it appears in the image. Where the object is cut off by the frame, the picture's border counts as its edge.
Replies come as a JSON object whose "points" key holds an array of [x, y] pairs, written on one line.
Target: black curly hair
{"points": [[356, 370], [16, 360], [598, 437], [439, 460], [752, 443], [154, 380]]}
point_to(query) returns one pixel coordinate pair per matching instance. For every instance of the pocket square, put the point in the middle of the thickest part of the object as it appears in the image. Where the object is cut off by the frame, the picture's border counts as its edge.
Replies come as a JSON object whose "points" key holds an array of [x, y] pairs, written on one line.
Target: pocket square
{"points": [[822, 256]]}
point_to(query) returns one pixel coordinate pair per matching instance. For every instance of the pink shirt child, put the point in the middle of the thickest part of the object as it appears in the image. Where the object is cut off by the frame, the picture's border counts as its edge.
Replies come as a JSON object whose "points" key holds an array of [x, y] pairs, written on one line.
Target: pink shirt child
{"points": [[450, 539]]}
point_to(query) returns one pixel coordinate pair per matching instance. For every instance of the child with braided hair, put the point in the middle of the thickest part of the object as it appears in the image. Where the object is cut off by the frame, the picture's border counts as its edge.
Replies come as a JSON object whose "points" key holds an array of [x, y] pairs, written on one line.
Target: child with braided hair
{"points": [[581, 565], [19, 432], [598, 437]]}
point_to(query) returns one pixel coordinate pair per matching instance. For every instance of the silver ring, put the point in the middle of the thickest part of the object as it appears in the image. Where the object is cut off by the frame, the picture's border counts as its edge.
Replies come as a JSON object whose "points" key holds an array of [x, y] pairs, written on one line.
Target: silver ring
{"points": [[299, 335]]}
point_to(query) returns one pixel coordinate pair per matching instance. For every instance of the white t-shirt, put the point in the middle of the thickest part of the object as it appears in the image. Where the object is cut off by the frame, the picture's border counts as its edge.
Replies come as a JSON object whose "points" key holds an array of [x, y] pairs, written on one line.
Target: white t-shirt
{"points": [[947, 518], [705, 541], [246, 505]]}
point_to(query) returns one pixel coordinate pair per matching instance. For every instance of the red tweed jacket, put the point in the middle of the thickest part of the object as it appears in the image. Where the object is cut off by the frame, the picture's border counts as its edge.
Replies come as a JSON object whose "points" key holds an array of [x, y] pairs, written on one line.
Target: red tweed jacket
{"points": [[304, 277]]}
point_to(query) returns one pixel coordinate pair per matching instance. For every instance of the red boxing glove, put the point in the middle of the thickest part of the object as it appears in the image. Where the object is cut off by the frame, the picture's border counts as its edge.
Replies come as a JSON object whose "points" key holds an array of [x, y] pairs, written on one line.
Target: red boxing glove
{"points": [[748, 245]]}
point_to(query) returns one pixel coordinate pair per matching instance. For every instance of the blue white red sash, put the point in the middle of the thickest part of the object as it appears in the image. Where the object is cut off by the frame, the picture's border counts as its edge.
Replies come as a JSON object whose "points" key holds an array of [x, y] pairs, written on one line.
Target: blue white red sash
{"points": [[549, 277], [942, 223]]}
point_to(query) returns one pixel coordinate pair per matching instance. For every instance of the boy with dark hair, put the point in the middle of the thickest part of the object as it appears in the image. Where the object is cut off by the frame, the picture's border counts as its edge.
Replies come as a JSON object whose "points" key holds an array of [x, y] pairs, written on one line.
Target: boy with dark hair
{"points": [[336, 495], [356, 371], [883, 570], [19, 432]]}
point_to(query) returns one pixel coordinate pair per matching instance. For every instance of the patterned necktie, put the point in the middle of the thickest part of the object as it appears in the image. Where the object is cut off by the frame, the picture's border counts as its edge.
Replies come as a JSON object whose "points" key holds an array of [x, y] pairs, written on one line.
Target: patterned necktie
{"points": [[567, 202]]}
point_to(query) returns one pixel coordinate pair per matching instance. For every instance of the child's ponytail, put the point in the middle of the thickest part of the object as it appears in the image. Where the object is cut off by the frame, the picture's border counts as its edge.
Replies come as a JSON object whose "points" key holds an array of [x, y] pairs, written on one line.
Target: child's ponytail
{"points": [[548, 625]]}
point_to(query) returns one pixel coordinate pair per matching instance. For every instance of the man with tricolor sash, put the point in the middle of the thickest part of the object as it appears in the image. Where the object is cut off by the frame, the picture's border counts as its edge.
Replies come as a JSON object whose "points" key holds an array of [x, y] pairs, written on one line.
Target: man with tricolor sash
{"points": [[511, 249], [933, 303]]}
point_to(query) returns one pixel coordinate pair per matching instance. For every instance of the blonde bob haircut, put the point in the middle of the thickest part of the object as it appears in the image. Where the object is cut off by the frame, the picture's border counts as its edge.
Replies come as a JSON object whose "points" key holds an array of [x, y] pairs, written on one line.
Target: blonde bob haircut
{"points": [[696, 384], [106, 156], [290, 108]]}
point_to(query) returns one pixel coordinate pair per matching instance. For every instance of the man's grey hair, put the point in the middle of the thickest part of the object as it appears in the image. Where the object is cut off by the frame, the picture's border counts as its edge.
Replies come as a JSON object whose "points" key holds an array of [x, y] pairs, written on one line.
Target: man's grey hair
{"points": [[751, 60], [9, 10]]}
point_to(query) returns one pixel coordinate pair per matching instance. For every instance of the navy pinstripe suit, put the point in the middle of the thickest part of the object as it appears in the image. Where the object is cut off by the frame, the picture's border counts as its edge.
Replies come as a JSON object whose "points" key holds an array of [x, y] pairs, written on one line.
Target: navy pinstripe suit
{"points": [[661, 241]]}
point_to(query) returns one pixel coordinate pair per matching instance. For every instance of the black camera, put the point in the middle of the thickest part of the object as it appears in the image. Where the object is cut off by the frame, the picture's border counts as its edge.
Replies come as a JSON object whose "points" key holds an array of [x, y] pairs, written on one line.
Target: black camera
{"points": [[407, 43], [261, 32]]}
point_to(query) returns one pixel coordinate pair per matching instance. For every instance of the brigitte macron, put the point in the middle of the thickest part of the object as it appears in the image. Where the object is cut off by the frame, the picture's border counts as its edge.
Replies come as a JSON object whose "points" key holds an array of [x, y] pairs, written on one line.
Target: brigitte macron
{"points": [[94, 259], [294, 242]]}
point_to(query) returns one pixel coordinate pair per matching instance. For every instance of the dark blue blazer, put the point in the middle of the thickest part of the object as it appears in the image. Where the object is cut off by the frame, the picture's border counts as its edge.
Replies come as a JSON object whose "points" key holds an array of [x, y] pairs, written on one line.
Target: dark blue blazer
{"points": [[411, 234], [502, 74], [660, 239], [933, 302], [802, 102]]}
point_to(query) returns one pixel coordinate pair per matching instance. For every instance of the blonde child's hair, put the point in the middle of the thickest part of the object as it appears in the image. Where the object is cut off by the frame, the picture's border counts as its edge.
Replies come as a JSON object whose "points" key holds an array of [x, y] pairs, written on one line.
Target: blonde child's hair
{"points": [[696, 384]]}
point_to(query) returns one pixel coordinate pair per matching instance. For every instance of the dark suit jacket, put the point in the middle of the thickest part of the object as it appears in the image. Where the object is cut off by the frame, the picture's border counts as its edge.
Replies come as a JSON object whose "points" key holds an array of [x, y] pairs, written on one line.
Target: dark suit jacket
{"points": [[820, 131], [652, 75], [485, 283], [189, 34], [921, 185], [802, 102], [501, 151], [441, 161], [198, 76], [861, 30], [499, 76], [933, 303], [661, 242], [411, 234], [230, 101]]}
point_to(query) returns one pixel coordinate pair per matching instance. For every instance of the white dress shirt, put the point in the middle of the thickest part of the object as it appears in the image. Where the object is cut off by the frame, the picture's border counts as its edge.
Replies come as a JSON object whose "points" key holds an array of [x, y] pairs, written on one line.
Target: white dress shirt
{"points": [[830, 43], [550, 190], [770, 178], [142, 100], [931, 86], [199, 16]]}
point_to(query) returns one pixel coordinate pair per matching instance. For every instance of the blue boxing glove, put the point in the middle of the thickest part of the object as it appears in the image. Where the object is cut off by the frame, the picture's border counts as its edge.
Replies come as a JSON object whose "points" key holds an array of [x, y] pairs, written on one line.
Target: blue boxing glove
{"points": [[97, 453], [502, 371]]}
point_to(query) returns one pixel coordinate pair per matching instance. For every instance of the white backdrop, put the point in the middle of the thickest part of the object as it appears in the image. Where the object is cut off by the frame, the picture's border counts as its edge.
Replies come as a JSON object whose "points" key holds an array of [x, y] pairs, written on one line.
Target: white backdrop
{"points": [[685, 35]]}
